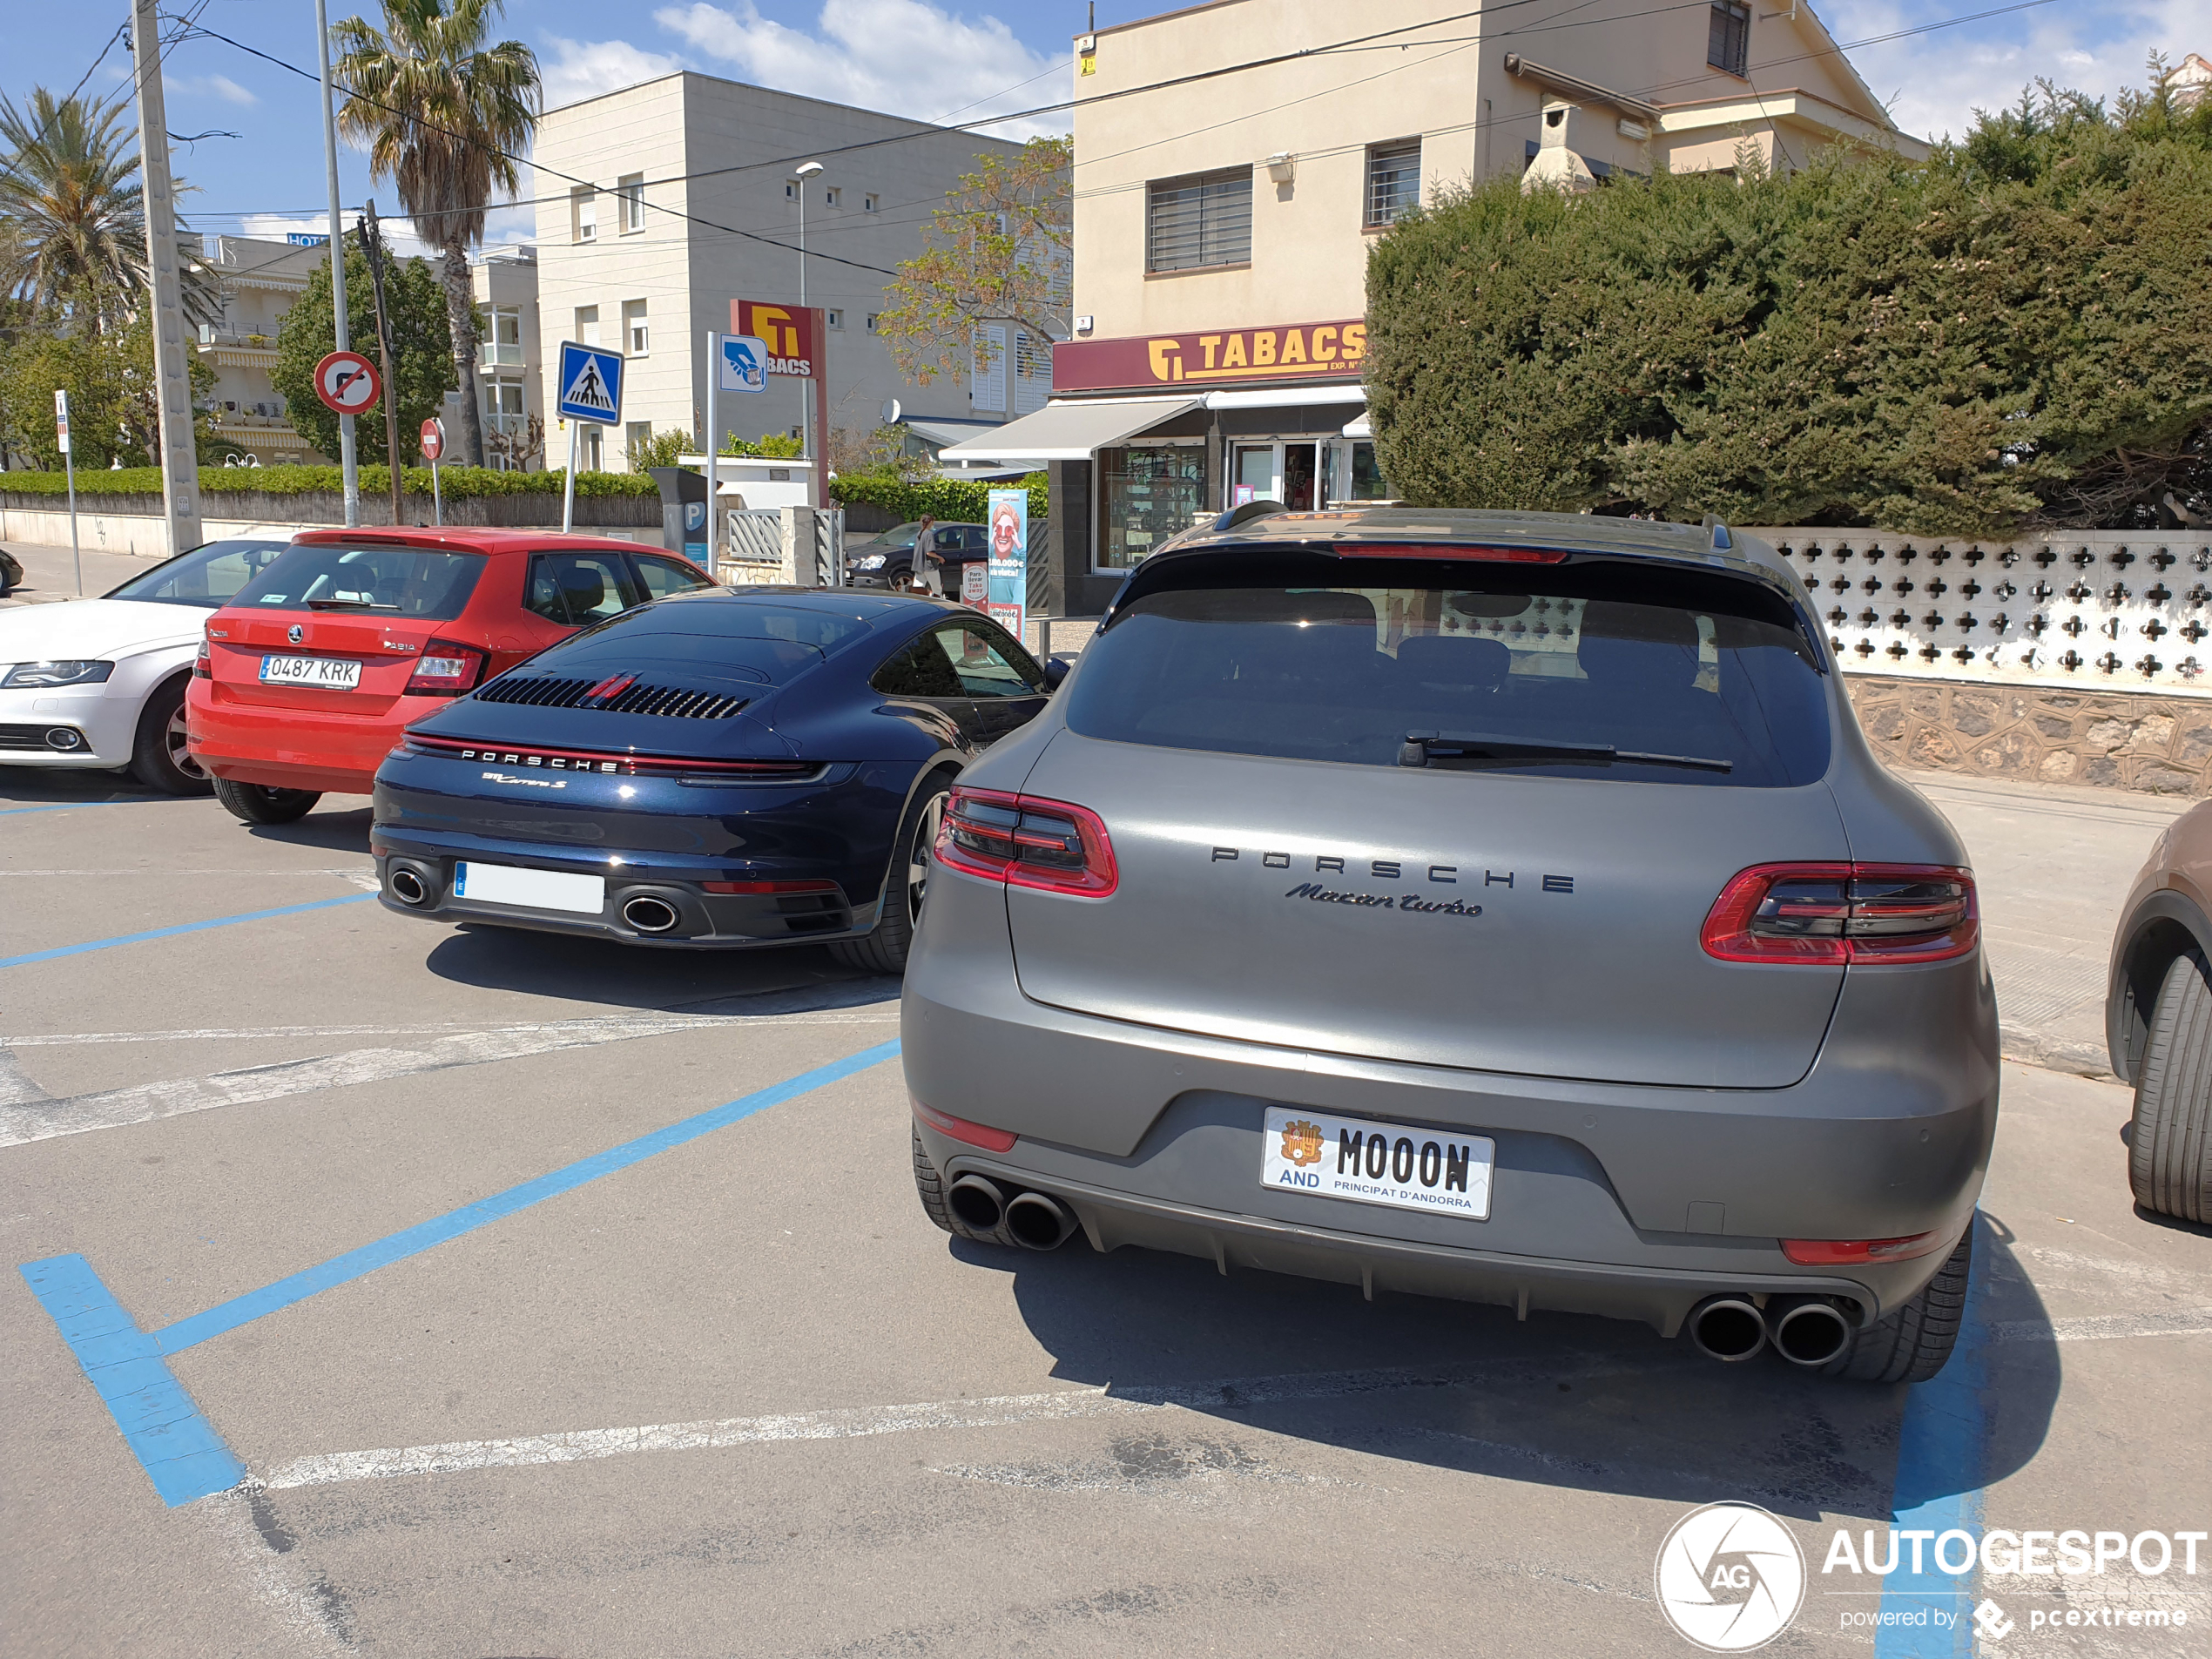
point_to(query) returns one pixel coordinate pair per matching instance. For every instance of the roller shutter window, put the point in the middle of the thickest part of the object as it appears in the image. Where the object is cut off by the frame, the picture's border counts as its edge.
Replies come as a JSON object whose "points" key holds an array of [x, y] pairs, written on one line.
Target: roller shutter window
{"points": [[1199, 220], [1728, 42]]}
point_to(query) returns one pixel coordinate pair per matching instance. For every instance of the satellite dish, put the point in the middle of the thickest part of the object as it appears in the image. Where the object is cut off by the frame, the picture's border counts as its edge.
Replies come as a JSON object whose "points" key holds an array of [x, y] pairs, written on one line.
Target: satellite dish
{"points": [[891, 411]]}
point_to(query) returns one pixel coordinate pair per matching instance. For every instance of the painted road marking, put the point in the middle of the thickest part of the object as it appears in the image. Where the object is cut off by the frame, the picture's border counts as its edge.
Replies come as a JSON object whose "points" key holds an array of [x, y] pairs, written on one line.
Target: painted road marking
{"points": [[411, 1241], [180, 1452], [859, 1422], [182, 927], [28, 1120], [72, 806], [2101, 1327], [1938, 1486]]}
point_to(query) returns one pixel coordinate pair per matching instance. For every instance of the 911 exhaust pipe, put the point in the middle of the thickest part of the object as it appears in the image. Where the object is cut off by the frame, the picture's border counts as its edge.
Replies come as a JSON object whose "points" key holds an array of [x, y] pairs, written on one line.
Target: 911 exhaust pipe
{"points": [[651, 915], [1808, 1331], [1728, 1328], [1038, 1222], [978, 1202], [407, 886]]}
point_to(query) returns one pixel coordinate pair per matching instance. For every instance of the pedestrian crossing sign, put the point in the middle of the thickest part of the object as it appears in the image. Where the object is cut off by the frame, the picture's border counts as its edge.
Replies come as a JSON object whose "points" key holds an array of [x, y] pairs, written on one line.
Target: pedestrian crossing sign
{"points": [[590, 384]]}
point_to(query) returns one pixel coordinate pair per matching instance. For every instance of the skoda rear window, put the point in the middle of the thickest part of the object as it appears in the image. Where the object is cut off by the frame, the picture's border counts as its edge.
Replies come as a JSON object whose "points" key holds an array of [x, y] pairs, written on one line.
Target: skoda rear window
{"points": [[1598, 668], [421, 582]]}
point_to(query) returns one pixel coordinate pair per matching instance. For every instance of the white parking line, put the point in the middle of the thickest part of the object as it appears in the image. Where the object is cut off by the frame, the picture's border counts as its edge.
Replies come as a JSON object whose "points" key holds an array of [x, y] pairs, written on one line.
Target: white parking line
{"points": [[39, 1119], [2105, 1327]]}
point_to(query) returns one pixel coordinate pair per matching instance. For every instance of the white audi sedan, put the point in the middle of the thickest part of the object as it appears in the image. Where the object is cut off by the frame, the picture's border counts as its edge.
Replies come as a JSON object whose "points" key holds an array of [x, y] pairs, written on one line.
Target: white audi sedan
{"points": [[100, 683]]}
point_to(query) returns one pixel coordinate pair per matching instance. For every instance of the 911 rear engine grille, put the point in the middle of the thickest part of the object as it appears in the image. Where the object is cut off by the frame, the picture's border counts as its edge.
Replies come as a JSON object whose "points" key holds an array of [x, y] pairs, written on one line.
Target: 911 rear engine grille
{"points": [[615, 694]]}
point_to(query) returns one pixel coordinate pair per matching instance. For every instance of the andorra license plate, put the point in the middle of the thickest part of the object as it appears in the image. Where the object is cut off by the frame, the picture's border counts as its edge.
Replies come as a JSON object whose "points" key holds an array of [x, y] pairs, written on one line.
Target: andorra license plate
{"points": [[1370, 1162], [327, 673]]}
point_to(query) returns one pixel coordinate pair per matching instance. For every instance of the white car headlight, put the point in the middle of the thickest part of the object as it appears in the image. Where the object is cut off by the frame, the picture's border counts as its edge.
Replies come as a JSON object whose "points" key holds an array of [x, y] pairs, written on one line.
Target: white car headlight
{"points": [[25, 675], [873, 562]]}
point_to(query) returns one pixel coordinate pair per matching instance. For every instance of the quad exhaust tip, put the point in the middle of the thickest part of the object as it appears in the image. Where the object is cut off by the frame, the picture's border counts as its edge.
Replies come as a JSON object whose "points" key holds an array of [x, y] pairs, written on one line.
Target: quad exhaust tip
{"points": [[651, 915], [1728, 1328], [407, 886], [1808, 1331], [978, 1202], [1035, 1222]]}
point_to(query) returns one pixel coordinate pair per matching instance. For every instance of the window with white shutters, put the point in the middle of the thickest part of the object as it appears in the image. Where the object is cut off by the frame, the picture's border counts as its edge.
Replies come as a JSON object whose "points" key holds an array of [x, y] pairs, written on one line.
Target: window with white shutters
{"points": [[1032, 373], [1201, 219], [987, 374]]}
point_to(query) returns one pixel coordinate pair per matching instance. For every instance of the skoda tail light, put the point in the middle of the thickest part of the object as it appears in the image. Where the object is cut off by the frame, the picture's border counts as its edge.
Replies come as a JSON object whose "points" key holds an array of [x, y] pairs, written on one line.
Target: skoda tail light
{"points": [[202, 666], [446, 669], [1027, 841], [1837, 913]]}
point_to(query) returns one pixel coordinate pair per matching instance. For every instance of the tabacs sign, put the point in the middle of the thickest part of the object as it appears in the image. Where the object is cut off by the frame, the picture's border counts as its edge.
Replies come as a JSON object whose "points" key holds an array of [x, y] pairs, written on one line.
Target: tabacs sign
{"points": [[792, 333], [1306, 351]]}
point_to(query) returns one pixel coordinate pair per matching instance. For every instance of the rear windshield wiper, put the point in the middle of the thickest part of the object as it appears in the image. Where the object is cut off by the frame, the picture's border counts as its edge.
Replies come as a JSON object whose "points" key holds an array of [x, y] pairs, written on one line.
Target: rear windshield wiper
{"points": [[347, 605], [1478, 746]]}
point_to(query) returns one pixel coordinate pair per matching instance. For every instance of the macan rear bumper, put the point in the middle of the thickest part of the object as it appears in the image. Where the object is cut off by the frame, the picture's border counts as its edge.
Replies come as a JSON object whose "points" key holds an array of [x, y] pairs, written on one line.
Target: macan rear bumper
{"points": [[1632, 1200]]}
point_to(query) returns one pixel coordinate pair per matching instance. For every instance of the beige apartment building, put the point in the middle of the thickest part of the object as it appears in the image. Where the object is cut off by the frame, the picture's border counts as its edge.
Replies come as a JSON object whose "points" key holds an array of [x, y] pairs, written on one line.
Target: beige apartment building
{"points": [[258, 281], [694, 202], [1234, 163]]}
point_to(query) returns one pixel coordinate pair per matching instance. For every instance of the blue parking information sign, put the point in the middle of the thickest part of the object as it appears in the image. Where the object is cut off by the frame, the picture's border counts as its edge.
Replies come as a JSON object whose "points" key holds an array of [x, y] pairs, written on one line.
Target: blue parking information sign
{"points": [[744, 363], [590, 382]]}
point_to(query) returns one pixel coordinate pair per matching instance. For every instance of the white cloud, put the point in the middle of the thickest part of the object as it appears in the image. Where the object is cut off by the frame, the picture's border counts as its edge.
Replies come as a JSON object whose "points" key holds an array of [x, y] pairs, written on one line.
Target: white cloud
{"points": [[905, 57], [1938, 79], [580, 69], [220, 86]]}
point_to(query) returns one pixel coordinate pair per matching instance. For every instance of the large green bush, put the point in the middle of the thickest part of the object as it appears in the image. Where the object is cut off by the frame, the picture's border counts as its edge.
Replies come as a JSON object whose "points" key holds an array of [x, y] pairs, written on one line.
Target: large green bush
{"points": [[459, 483], [2017, 333], [957, 500]]}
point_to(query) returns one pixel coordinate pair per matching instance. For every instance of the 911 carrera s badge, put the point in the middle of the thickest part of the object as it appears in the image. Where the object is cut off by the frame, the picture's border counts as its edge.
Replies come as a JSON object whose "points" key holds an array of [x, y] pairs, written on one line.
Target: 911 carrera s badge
{"points": [[1301, 1142]]}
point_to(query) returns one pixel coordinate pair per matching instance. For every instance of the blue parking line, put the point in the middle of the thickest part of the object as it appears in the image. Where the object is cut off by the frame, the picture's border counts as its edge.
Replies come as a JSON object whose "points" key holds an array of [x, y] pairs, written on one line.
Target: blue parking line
{"points": [[181, 928], [72, 806], [1937, 1489], [411, 1241], [180, 1452]]}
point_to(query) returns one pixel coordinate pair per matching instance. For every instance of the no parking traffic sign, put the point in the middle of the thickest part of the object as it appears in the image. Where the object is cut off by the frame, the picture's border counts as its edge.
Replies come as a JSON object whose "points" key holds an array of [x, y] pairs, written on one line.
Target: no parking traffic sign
{"points": [[347, 383], [434, 439]]}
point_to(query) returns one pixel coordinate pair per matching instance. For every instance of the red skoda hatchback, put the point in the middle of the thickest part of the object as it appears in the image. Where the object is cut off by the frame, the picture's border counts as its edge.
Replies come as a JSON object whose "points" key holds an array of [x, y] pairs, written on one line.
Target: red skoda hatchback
{"points": [[306, 677]]}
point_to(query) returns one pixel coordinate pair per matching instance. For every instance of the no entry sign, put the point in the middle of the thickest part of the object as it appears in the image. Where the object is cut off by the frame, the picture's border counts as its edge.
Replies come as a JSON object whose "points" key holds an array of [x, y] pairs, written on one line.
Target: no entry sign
{"points": [[347, 383], [434, 439]]}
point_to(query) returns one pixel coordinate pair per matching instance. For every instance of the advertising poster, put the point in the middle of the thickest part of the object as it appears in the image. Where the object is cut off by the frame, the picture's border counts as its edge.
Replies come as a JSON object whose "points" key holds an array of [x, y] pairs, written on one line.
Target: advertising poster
{"points": [[1007, 565]]}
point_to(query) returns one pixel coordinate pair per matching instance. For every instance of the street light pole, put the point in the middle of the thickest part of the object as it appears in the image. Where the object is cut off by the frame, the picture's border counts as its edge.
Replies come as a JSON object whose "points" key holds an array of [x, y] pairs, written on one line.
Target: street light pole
{"points": [[347, 459], [816, 487]]}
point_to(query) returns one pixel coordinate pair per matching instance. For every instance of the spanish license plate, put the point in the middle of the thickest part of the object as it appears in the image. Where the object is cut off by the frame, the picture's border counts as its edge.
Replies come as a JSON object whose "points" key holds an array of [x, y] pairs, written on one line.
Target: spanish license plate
{"points": [[327, 673], [585, 895], [1397, 1164]]}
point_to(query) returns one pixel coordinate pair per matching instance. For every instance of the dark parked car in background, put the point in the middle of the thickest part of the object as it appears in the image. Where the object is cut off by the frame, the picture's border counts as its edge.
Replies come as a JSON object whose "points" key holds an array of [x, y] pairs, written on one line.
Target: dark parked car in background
{"points": [[886, 561], [1504, 906], [723, 769], [2158, 1019]]}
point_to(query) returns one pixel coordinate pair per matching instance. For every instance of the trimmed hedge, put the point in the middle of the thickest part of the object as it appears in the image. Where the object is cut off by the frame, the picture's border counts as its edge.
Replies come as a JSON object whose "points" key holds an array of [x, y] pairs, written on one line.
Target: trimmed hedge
{"points": [[459, 484], [956, 500]]}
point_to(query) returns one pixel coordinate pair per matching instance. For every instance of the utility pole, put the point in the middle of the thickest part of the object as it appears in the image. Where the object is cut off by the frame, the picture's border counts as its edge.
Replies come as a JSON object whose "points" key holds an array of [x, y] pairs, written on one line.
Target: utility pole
{"points": [[372, 248], [817, 483], [347, 459], [178, 455]]}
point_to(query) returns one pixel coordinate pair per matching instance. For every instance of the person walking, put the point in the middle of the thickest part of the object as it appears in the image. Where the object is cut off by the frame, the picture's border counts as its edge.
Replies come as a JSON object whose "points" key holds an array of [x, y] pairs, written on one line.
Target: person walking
{"points": [[929, 567]]}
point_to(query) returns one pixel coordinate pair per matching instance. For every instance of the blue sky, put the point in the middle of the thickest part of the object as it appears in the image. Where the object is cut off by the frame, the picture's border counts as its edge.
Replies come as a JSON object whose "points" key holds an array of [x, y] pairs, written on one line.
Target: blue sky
{"points": [[928, 61]]}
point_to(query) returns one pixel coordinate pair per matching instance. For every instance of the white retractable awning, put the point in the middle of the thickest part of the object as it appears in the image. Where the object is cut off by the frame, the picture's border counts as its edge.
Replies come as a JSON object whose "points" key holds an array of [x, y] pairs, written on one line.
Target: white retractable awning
{"points": [[1286, 397], [1071, 430]]}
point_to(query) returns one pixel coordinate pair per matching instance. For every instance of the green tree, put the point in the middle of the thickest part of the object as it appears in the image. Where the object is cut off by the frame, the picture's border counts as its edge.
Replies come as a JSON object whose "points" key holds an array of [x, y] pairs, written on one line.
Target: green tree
{"points": [[72, 218], [444, 111], [2017, 333], [109, 377], [999, 250], [422, 351]]}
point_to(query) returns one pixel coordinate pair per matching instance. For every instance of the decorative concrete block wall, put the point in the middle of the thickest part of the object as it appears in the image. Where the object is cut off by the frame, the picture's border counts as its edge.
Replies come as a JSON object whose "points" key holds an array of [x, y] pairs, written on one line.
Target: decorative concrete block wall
{"points": [[2159, 743]]}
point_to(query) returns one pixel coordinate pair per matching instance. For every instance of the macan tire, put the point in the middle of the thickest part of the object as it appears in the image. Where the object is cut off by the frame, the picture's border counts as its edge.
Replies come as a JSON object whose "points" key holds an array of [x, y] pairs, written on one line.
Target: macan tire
{"points": [[885, 950], [1911, 1344], [158, 758], [259, 804], [2169, 1144], [930, 1187]]}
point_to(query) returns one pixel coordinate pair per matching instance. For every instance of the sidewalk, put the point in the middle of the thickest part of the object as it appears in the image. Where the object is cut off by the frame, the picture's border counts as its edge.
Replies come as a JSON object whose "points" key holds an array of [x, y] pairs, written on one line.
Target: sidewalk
{"points": [[50, 574], [2053, 863]]}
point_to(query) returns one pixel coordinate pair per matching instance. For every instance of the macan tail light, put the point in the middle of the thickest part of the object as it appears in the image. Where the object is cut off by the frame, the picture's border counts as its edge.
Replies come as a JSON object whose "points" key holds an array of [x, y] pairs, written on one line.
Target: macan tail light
{"points": [[446, 669], [1854, 1252], [1838, 912], [991, 1140], [1450, 550], [1027, 841]]}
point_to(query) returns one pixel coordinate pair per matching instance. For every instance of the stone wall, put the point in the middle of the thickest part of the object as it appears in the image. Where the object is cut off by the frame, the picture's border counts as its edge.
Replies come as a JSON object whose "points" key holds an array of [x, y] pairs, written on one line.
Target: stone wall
{"points": [[2159, 744]]}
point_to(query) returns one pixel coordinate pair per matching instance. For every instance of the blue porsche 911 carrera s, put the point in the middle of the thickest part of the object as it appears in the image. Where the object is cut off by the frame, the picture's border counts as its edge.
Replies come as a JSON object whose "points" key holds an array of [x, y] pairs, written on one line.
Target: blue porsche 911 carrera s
{"points": [[723, 769]]}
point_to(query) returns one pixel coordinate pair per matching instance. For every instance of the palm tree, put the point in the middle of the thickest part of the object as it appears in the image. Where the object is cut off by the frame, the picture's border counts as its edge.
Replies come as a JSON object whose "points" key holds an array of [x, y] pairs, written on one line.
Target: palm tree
{"points": [[441, 111], [72, 218]]}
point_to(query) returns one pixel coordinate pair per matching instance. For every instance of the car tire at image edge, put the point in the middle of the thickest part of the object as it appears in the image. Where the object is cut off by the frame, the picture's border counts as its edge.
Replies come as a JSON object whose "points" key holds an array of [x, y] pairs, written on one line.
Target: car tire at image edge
{"points": [[260, 804], [2169, 1143]]}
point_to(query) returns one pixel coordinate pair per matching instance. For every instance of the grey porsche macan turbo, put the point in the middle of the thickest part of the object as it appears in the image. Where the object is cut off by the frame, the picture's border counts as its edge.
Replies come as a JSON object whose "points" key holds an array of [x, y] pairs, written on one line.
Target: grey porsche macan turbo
{"points": [[1498, 907]]}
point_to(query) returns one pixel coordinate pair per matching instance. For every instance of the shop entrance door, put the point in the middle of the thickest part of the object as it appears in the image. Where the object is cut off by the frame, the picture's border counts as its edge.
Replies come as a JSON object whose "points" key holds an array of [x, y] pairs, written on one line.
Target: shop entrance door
{"points": [[1253, 478], [1300, 474]]}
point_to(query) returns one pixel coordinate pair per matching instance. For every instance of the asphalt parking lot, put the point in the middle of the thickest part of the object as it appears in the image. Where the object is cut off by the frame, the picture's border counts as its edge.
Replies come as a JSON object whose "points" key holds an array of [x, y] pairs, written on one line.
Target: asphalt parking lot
{"points": [[533, 1297]]}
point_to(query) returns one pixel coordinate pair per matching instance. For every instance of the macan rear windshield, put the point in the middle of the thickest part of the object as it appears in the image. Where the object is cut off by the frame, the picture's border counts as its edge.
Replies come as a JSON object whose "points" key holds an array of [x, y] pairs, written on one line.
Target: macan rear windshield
{"points": [[427, 583], [1597, 669]]}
